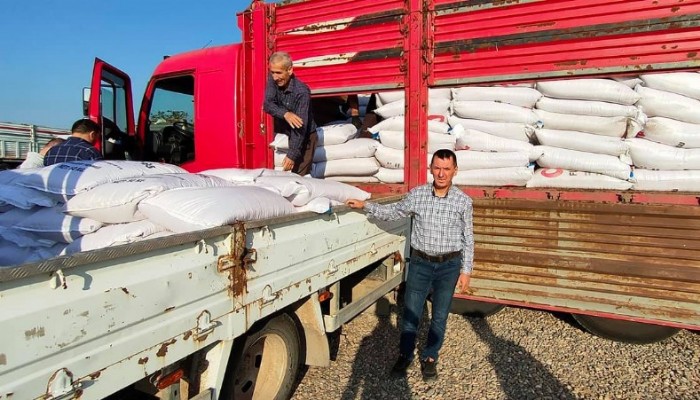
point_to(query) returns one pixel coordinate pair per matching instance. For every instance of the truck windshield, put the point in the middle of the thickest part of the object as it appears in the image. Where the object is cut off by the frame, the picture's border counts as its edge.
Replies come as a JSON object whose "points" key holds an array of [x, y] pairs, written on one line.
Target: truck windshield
{"points": [[170, 136]]}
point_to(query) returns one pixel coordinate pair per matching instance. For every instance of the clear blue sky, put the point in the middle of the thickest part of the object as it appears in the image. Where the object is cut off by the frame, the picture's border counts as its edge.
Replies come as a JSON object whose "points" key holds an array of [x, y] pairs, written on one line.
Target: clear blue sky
{"points": [[47, 48]]}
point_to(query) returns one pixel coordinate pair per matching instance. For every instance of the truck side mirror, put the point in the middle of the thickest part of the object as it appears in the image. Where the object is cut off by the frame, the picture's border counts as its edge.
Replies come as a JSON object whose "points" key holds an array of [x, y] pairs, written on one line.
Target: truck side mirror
{"points": [[86, 100]]}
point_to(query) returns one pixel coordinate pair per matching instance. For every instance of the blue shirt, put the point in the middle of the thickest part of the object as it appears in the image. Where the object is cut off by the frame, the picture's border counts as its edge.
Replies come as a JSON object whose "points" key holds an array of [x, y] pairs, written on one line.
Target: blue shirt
{"points": [[440, 224], [73, 149], [296, 97]]}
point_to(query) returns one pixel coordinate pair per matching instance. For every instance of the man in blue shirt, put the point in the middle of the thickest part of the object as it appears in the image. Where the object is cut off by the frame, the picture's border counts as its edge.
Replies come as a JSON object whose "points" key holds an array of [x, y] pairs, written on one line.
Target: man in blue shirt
{"points": [[288, 100], [80, 146], [442, 253]]}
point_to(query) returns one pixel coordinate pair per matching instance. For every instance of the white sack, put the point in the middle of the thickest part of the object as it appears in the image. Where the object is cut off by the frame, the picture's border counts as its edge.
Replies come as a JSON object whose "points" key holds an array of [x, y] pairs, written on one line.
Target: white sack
{"points": [[242, 175], [113, 235], [280, 141], [73, 177], [494, 112], [586, 142], [673, 133], [467, 159], [589, 89], [388, 175], [335, 134], [350, 167], [396, 140], [681, 181], [657, 103], [9, 176], [26, 198], [683, 83], [587, 107], [352, 179], [517, 96], [604, 126], [629, 82], [398, 124], [554, 157], [561, 178], [396, 95], [512, 176], [389, 157], [278, 157], [436, 106], [117, 202], [354, 148], [53, 224], [651, 155], [473, 139], [319, 205], [508, 130], [191, 209]]}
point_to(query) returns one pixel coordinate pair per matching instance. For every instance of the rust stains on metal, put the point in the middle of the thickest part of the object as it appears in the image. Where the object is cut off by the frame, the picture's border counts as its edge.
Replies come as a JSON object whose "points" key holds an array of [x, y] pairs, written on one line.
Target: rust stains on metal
{"points": [[236, 262], [66, 312], [34, 333], [125, 290], [187, 335], [84, 313], [692, 54], [3, 359], [143, 360], [95, 374], [169, 309], [164, 348]]}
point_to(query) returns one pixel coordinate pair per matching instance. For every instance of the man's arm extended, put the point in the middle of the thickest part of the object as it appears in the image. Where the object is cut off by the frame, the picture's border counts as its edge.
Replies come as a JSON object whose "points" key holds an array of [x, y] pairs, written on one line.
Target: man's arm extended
{"points": [[298, 134]]}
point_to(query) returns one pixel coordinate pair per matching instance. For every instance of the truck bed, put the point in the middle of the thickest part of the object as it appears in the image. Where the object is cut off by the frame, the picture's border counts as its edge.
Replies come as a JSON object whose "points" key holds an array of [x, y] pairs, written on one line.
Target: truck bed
{"points": [[109, 317]]}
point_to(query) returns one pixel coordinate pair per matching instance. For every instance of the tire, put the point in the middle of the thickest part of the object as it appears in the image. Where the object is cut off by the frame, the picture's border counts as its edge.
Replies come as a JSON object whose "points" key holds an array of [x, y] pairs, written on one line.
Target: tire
{"points": [[265, 363], [472, 308], [624, 331]]}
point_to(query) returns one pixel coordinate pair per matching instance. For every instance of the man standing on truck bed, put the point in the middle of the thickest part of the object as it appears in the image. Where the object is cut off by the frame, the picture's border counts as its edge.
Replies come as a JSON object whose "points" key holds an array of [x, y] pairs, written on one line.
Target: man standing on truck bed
{"points": [[80, 146], [442, 252], [288, 100]]}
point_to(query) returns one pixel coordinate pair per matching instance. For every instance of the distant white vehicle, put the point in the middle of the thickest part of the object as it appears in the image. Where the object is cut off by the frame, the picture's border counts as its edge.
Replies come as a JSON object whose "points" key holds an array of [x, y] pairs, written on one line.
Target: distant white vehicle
{"points": [[16, 140]]}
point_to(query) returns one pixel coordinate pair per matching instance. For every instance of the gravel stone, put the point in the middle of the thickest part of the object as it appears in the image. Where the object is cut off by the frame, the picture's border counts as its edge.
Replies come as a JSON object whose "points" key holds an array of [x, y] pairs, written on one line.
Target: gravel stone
{"points": [[515, 354]]}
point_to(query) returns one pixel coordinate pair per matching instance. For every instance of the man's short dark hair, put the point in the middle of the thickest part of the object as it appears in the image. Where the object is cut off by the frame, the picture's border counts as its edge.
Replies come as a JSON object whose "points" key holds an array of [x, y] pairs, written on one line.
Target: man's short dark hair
{"points": [[445, 154], [85, 125]]}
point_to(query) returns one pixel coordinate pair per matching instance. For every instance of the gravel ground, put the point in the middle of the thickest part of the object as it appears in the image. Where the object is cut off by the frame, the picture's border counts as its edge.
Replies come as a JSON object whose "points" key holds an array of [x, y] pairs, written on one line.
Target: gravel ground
{"points": [[515, 354]]}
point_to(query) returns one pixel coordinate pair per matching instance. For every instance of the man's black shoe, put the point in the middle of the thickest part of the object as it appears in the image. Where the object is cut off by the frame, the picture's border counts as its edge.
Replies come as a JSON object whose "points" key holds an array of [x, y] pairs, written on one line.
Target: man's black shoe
{"points": [[401, 366], [429, 370]]}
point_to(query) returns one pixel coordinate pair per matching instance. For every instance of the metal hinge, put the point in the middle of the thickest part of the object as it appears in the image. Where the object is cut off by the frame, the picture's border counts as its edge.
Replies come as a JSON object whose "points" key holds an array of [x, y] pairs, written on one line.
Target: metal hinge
{"points": [[61, 386]]}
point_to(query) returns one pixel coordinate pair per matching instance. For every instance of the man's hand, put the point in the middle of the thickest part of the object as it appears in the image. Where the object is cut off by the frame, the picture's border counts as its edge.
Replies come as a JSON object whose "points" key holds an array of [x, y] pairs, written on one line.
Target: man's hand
{"points": [[293, 120], [287, 164], [354, 203], [463, 282]]}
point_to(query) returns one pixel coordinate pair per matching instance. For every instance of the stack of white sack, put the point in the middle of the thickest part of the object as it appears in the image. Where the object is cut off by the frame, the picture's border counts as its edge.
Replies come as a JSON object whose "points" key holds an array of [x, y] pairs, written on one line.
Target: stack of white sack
{"points": [[35, 222], [336, 155], [304, 193], [504, 111], [668, 158], [352, 161], [390, 151], [581, 140], [493, 126]]}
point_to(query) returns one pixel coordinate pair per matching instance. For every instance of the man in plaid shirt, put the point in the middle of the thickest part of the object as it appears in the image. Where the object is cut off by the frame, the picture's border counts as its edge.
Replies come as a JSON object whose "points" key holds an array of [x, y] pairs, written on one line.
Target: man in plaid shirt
{"points": [[288, 100], [80, 146], [442, 253]]}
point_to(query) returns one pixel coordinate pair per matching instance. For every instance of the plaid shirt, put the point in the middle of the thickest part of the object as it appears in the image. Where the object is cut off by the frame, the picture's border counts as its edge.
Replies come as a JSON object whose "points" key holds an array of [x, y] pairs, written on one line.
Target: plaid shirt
{"points": [[297, 99], [73, 149], [440, 224]]}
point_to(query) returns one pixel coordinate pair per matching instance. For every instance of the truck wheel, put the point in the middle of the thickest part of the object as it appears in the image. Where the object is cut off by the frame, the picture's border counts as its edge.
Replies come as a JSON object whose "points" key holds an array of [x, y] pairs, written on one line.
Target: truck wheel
{"points": [[624, 331], [266, 364], [472, 308]]}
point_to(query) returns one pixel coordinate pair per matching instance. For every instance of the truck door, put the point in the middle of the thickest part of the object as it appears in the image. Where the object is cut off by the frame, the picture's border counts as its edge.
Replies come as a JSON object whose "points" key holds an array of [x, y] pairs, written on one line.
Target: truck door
{"points": [[110, 105]]}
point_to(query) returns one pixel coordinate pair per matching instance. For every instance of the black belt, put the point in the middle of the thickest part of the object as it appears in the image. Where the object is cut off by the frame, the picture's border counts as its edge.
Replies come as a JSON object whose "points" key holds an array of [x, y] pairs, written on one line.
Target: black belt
{"points": [[437, 259]]}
